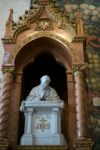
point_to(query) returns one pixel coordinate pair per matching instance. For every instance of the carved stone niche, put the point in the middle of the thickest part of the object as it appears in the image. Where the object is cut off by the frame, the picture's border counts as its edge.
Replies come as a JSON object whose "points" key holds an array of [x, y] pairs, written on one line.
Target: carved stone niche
{"points": [[42, 123]]}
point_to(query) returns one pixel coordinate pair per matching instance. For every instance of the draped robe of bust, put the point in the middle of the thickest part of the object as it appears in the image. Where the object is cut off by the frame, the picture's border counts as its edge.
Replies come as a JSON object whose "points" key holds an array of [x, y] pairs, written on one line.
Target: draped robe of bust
{"points": [[37, 93]]}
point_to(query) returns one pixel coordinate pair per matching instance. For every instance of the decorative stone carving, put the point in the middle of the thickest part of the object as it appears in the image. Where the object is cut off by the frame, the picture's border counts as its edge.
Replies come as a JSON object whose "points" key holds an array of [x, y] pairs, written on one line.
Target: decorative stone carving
{"points": [[64, 22], [54, 13], [44, 24], [79, 68], [8, 69]]}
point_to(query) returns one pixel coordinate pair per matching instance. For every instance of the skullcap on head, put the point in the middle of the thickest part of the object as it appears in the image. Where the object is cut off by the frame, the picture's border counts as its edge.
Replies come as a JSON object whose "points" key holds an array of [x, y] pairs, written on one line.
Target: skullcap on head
{"points": [[46, 77]]}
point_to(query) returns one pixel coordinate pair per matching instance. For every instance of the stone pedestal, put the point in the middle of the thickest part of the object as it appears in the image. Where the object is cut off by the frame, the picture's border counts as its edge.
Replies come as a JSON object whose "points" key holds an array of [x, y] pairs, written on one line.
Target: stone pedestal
{"points": [[42, 123]]}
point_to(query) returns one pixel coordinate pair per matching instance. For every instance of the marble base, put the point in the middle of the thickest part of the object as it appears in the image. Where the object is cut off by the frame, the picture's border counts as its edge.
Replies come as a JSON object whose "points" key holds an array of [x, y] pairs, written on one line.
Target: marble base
{"points": [[42, 147], [27, 139], [43, 140], [43, 123], [53, 140], [83, 144]]}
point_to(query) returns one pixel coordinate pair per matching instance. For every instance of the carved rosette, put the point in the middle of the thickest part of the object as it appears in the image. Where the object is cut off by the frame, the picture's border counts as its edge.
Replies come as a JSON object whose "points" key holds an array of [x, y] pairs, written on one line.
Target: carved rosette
{"points": [[5, 101], [80, 94]]}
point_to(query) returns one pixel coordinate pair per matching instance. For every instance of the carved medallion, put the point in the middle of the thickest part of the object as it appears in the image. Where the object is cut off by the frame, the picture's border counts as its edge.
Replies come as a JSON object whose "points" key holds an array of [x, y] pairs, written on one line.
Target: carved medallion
{"points": [[44, 24]]}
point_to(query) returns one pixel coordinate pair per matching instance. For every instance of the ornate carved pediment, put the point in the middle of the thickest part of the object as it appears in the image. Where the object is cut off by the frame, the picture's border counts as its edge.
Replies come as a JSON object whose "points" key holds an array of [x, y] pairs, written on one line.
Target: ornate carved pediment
{"points": [[43, 17]]}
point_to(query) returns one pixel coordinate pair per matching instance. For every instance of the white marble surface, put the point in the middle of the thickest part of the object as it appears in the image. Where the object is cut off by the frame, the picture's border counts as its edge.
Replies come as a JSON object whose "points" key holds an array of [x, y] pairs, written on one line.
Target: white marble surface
{"points": [[42, 123]]}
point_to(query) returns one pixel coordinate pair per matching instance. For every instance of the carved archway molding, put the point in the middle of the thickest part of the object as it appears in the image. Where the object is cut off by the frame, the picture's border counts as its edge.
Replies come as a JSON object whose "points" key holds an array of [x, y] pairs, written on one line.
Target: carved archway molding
{"points": [[69, 47]]}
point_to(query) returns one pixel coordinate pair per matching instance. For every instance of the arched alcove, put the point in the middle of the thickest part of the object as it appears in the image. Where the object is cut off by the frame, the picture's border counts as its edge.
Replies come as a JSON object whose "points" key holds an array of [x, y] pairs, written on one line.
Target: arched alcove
{"points": [[33, 48], [45, 63]]}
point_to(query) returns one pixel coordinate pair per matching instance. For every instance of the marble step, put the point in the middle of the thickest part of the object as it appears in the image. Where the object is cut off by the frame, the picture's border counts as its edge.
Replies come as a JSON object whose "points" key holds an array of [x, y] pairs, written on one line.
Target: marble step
{"points": [[42, 147]]}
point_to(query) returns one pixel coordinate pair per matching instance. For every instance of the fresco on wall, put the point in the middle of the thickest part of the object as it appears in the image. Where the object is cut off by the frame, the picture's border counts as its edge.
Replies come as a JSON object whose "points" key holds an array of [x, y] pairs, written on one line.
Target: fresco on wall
{"points": [[90, 10], [94, 2]]}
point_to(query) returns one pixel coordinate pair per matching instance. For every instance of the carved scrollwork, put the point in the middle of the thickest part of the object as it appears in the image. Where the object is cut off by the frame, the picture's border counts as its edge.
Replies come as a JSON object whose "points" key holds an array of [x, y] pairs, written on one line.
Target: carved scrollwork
{"points": [[79, 69], [22, 23], [64, 21]]}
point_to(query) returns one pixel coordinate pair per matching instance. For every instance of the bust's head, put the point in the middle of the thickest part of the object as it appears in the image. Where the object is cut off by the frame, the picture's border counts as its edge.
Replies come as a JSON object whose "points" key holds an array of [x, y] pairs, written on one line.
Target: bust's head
{"points": [[45, 80]]}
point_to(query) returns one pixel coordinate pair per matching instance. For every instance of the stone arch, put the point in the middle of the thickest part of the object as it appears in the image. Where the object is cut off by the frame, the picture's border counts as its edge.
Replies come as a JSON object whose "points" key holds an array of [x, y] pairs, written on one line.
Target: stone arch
{"points": [[66, 49], [29, 51]]}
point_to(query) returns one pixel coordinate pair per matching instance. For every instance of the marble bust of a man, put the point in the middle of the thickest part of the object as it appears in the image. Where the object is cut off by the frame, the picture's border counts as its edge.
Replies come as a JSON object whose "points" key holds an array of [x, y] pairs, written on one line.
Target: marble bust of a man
{"points": [[43, 92]]}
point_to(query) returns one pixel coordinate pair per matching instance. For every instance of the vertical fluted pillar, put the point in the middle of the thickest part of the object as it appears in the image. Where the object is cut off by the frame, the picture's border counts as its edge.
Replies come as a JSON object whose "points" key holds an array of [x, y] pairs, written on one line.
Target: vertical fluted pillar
{"points": [[80, 94], [5, 101]]}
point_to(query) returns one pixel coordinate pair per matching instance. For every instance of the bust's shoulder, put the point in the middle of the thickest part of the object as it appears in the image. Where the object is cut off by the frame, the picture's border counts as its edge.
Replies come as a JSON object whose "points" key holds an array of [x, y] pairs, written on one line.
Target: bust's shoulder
{"points": [[52, 89], [35, 88]]}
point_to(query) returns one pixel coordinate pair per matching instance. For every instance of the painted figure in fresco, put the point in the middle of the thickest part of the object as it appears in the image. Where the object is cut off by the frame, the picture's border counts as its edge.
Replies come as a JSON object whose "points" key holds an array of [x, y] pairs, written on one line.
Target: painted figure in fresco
{"points": [[43, 91]]}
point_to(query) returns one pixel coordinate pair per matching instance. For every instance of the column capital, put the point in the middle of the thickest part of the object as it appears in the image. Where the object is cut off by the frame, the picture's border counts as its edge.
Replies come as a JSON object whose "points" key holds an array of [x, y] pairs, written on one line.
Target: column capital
{"points": [[78, 69], [10, 69]]}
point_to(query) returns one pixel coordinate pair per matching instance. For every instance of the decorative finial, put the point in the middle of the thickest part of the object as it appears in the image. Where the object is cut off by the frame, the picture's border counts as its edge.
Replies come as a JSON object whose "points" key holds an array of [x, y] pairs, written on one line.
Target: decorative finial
{"points": [[80, 23], [9, 23]]}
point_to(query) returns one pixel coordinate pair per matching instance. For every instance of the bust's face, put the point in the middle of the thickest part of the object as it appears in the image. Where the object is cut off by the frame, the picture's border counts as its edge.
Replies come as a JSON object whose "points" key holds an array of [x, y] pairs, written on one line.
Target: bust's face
{"points": [[44, 83]]}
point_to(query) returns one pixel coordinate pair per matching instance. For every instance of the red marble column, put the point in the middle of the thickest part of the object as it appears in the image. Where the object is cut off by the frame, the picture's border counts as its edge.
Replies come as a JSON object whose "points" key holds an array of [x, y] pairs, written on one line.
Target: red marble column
{"points": [[80, 93], [14, 112], [5, 102], [71, 109], [82, 142]]}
